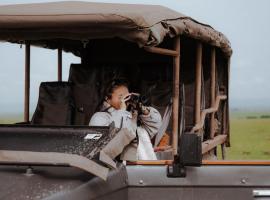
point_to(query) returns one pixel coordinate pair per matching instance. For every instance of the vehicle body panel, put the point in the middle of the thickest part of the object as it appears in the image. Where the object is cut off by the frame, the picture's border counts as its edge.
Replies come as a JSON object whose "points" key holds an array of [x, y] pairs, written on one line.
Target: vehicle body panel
{"points": [[135, 182]]}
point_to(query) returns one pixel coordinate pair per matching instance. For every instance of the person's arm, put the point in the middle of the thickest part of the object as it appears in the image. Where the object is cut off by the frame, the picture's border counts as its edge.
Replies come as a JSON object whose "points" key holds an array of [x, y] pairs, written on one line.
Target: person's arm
{"points": [[150, 121], [100, 119], [121, 118]]}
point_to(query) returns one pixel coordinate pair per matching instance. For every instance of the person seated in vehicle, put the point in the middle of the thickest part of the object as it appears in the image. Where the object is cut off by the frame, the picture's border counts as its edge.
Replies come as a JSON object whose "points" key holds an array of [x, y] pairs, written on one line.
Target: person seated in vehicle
{"points": [[137, 124]]}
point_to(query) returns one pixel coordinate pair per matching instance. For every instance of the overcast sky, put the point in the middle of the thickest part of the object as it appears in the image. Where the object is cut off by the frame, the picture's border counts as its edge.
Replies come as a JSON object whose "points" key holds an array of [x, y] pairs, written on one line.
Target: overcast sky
{"points": [[244, 22]]}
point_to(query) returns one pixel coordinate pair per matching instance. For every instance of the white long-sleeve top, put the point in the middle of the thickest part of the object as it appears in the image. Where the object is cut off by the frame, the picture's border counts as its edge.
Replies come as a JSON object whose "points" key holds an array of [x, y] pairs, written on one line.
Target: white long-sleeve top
{"points": [[150, 124]]}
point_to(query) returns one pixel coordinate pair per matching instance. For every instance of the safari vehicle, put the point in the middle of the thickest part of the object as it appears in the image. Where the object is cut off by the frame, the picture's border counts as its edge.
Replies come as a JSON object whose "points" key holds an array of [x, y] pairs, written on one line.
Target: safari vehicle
{"points": [[180, 64]]}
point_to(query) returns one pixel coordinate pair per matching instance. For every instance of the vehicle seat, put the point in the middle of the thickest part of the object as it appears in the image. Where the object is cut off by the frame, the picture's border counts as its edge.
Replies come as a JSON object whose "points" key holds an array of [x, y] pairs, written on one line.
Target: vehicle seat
{"points": [[85, 91], [55, 104]]}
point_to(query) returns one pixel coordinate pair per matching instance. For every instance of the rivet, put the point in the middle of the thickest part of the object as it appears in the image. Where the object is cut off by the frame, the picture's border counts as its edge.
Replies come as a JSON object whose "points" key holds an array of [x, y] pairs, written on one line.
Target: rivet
{"points": [[29, 171], [243, 181], [141, 182]]}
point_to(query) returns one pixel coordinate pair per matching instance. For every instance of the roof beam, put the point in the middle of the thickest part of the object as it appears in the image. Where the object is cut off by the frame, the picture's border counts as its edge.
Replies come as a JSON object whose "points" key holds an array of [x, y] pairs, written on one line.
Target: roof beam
{"points": [[162, 51]]}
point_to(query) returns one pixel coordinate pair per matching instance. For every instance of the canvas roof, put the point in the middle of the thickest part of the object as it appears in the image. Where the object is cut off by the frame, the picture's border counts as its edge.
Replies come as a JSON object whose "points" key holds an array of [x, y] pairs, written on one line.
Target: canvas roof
{"points": [[146, 25]]}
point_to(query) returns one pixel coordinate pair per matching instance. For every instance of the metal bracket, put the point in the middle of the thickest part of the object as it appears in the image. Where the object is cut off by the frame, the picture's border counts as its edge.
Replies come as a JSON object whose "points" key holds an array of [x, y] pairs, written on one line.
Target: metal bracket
{"points": [[176, 170]]}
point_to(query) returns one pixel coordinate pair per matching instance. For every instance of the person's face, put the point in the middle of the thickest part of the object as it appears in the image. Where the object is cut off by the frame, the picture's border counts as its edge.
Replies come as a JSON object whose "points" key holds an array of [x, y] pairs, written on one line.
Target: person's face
{"points": [[118, 94]]}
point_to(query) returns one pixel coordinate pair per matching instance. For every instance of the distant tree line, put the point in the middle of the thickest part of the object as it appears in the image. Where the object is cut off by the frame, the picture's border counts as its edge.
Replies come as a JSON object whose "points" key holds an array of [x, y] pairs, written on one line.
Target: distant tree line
{"points": [[261, 117]]}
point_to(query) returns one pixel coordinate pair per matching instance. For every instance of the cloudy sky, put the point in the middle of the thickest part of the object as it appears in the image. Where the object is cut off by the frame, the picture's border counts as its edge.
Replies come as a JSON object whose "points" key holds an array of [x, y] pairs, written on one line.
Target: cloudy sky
{"points": [[244, 22]]}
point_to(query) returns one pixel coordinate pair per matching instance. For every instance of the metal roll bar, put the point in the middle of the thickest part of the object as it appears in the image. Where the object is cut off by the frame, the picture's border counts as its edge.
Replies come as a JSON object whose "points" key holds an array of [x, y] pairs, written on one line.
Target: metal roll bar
{"points": [[213, 90], [166, 52], [200, 124], [176, 80], [27, 82], [198, 83], [210, 144], [59, 77]]}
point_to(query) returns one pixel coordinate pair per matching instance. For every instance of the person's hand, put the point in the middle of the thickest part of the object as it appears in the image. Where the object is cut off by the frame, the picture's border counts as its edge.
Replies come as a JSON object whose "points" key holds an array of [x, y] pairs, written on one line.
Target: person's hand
{"points": [[123, 105], [145, 110]]}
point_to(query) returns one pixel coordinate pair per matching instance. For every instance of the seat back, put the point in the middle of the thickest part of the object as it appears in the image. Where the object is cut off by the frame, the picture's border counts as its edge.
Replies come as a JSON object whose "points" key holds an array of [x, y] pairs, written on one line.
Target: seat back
{"points": [[55, 105], [85, 92]]}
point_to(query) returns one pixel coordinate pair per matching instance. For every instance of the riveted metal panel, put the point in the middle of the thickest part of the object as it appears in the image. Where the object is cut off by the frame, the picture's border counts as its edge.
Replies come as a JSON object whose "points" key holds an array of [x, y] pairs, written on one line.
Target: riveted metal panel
{"points": [[217, 176]]}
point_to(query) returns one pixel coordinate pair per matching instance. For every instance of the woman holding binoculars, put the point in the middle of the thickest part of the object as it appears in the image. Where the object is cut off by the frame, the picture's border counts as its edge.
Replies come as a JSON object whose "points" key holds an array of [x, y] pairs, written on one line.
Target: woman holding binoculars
{"points": [[137, 124]]}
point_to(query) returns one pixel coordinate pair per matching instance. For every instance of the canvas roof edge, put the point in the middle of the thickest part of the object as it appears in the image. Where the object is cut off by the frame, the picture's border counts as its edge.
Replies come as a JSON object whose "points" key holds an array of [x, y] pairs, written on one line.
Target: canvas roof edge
{"points": [[146, 25]]}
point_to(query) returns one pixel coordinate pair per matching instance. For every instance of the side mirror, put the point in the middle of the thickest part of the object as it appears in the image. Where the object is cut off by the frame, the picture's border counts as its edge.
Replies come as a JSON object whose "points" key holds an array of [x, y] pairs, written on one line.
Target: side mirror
{"points": [[189, 154]]}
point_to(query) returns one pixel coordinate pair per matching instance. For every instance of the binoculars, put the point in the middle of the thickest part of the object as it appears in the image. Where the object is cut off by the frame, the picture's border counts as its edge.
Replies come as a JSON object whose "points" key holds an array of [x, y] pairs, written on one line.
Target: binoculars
{"points": [[135, 102]]}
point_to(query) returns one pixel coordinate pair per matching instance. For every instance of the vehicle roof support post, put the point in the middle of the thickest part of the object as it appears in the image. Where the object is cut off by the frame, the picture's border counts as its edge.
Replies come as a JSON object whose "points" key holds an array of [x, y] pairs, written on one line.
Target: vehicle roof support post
{"points": [[27, 81], [224, 129], [198, 84], [213, 90], [60, 64], [227, 127], [175, 106], [223, 151]]}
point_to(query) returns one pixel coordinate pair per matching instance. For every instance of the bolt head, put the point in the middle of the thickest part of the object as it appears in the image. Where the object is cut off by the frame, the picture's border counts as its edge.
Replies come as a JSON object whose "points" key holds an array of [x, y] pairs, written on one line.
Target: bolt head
{"points": [[243, 181]]}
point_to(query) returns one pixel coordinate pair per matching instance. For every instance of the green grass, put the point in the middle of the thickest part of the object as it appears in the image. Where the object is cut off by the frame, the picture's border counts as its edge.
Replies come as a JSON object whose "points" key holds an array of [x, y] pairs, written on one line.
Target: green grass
{"points": [[250, 139]]}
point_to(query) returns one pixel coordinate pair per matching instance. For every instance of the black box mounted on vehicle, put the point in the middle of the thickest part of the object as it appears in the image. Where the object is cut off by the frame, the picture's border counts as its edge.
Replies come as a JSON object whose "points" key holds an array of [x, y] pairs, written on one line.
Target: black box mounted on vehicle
{"points": [[190, 150], [189, 154]]}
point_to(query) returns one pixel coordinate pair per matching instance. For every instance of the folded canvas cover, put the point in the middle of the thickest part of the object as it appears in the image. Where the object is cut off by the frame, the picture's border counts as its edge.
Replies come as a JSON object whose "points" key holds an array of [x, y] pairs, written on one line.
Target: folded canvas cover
{"points": [[146, 25]]}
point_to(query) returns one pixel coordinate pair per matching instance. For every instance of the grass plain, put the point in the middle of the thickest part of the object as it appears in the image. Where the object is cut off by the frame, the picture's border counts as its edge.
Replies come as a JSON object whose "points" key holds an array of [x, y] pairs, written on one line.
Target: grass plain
{"points": [[250, 136]]}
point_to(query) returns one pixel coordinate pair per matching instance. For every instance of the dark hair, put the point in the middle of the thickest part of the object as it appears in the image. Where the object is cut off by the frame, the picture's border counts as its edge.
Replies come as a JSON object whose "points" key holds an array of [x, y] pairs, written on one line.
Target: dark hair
{"points": [[113, 84]]}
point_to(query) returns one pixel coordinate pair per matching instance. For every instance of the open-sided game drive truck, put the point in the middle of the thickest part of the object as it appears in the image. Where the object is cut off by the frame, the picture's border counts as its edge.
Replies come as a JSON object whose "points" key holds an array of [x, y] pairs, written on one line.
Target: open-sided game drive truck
{"points": [[179, 64]]}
